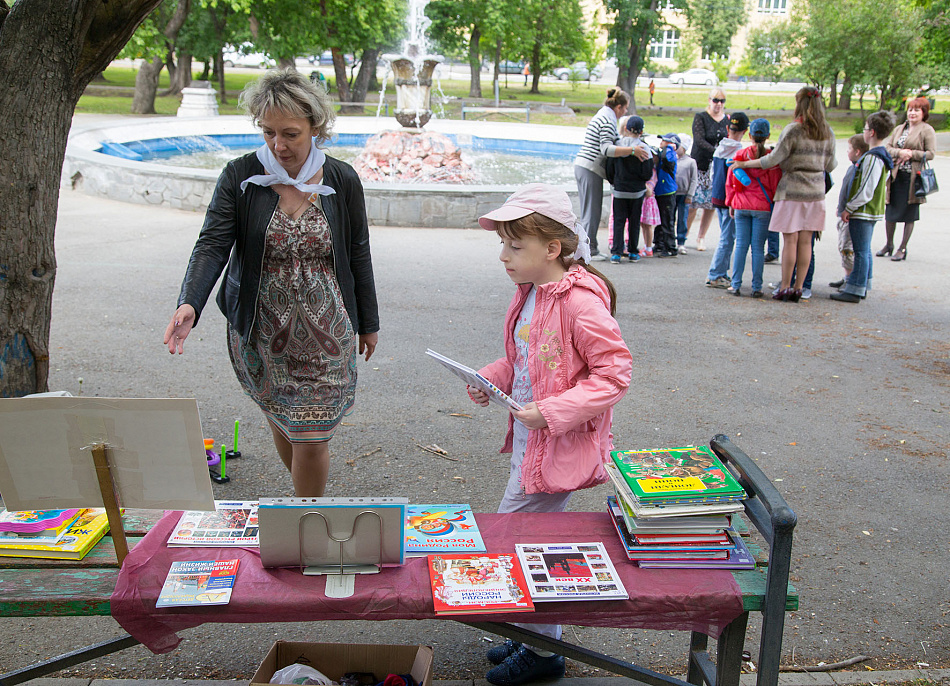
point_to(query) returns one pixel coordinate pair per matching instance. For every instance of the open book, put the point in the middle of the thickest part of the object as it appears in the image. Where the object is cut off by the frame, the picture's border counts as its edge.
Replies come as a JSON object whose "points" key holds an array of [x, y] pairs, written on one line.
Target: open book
{"points": [[473, 378]]}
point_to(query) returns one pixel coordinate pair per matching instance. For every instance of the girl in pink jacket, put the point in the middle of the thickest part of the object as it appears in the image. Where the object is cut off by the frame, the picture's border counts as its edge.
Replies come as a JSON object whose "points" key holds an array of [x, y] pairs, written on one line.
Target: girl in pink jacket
{"points": [[567, 365]]}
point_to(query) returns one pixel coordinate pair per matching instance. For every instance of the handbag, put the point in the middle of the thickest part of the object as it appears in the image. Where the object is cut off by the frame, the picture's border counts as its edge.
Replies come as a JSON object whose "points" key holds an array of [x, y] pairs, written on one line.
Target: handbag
{"points": [[926, 181]]}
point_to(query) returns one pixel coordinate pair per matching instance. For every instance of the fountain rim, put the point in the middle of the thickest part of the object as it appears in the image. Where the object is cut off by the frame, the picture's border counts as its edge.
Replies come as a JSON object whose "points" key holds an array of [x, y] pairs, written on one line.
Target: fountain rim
{"points": [[84, 141]]}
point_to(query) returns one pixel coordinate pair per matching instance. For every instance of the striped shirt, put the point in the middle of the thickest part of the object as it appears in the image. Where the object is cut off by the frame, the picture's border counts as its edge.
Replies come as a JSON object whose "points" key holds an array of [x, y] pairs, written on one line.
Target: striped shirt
{"points": [[600, 141]]}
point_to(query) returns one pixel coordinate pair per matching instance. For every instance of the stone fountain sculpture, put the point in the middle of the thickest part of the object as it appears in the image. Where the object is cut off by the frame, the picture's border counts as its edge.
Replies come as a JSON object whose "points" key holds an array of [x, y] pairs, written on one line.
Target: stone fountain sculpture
{"points": [[411, 154]]}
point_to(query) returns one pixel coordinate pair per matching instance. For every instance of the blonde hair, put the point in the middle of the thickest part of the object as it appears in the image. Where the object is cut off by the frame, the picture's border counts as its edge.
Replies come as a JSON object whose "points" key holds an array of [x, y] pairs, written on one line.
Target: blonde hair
{"points": [[547, 229], [289, 92]]}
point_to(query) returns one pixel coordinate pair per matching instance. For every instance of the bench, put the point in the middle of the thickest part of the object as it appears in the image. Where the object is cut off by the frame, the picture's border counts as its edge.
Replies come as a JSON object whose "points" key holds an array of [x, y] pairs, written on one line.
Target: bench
{"points": [[31, 588], [513, 112]]}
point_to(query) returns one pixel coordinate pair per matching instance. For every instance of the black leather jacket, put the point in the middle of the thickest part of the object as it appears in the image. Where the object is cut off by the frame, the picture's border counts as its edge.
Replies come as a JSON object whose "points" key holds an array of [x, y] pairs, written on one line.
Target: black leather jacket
{"points": [[234, 230]]}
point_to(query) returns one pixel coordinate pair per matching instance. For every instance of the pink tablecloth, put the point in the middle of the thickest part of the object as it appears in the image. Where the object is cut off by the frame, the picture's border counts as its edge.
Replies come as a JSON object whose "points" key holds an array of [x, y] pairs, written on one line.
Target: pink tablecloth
{"points": [[678, 599]]}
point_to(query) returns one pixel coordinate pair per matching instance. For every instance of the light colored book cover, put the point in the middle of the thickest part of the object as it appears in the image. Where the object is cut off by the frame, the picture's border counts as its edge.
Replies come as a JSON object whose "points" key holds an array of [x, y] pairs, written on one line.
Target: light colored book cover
{"points": [[473, 378], [204, 582], [232, 524], [569, 571]]}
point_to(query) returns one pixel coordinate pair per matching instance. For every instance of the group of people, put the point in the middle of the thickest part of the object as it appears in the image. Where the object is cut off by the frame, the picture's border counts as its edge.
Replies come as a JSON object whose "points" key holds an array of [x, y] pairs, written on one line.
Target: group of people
{"points": [[287, 225], [758, 193]]}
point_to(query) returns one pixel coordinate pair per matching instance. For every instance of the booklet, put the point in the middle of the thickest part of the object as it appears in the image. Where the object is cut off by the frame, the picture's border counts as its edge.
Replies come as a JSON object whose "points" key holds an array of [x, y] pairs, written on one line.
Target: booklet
{"points": [[473, 378], [442, 529], [476, 583], [202, 582], [569, 571], [233, 524]]}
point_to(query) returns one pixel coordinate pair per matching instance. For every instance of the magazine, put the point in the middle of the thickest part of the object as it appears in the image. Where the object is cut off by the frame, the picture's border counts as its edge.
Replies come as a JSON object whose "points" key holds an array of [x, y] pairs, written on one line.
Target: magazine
{"points": [[233, 524], [569, 571], [473, 378], [205, 582], [85, 531], [442, 529], [474, 583]]}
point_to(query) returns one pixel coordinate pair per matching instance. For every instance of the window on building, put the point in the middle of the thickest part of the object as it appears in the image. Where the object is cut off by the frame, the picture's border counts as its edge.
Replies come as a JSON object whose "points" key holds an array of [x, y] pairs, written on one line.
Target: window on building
{"points": [[664, 48], [773, 6]]}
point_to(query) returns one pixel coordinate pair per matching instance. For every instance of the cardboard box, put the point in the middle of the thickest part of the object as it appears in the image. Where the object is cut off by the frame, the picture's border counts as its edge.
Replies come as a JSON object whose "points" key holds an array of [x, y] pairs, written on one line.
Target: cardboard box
{"points": [[336, 659]]}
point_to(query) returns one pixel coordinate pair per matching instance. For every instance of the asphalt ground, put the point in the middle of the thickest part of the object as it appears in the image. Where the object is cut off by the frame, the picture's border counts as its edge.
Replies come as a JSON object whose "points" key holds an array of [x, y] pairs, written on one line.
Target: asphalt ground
{"points": [[844, 406]]}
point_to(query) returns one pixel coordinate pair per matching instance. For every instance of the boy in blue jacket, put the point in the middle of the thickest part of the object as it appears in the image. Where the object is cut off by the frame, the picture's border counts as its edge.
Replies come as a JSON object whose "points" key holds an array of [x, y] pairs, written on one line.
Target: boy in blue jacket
{"points": [[664, 236]]}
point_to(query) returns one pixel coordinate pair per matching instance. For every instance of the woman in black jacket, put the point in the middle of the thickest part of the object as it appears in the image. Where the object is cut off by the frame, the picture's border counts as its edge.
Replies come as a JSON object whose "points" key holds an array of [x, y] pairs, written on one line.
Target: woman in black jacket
{"points": [[709, 127], [298, 292]]}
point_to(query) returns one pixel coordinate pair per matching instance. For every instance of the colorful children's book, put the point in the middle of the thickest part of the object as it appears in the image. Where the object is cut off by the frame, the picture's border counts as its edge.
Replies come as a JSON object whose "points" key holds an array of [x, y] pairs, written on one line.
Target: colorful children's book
{"points": [[36, 522], [442, 529], [475, 583], [85, 531], [641, 510], [676, 476], [233, 524], [739, 558], [635, 552], [473, 378], [205, 582], [569, 571]]}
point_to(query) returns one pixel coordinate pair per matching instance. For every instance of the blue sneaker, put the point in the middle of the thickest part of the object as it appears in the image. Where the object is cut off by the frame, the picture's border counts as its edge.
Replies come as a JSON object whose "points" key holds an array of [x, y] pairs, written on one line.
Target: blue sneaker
{"points": [[633, 257], [615, 259], [524, 667], [500, 653]]}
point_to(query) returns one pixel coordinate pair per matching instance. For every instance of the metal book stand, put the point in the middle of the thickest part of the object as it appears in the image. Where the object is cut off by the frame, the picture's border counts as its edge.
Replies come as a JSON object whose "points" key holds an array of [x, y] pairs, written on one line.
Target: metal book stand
{"points": [[344, 566]]}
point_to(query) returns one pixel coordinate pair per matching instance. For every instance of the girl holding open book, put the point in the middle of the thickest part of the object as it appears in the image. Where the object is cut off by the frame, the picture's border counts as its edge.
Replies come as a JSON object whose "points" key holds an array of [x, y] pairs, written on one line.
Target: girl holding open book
{"points": [[567, 365]]}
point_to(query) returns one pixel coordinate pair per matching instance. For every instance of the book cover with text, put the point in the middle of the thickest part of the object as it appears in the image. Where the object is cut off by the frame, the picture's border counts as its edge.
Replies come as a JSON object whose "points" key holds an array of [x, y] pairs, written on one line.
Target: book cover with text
{"points": [[442, 529], [478, 582], [199, 582]]}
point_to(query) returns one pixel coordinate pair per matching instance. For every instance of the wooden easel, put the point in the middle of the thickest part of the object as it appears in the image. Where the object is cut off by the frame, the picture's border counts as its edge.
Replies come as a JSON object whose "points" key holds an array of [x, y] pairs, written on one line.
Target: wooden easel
{"points": [[107, 486]]}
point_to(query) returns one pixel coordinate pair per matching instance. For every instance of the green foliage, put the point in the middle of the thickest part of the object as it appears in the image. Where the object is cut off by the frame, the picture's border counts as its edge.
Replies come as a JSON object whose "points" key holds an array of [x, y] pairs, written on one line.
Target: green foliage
{"points": [[721, 66], [716, 22], [687, 52], [767, 49], [934, 51]]}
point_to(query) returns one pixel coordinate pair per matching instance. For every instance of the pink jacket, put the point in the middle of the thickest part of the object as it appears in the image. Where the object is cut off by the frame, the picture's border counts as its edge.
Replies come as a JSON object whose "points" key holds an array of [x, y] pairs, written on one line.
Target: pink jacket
{"points": [[580, 368], [751, 197]]}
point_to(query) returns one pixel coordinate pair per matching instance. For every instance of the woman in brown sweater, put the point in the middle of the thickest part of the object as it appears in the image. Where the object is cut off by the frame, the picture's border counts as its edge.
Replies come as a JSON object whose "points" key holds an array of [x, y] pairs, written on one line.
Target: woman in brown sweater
{"points": [[805, 151], [910, 145]]}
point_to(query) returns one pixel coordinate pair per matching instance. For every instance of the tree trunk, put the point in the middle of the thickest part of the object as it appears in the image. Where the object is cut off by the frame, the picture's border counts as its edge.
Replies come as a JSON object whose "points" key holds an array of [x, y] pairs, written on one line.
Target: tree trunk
{"points": [[844, 102], [66, 43], [475, 64], [182, 78], [833, 98], [367, 67], [536, 56], [146, 86], [219, 71], [206, 72], [339, 70], [627, 78]]}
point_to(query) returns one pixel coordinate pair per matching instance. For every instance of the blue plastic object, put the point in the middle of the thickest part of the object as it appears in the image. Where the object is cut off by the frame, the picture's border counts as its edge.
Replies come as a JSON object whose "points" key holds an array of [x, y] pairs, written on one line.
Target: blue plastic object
{"points": [[742, 176]]}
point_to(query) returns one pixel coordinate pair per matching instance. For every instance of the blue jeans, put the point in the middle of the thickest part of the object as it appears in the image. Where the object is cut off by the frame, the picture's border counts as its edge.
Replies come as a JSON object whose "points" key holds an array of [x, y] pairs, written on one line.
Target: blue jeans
{"points": [[727, 238], [752, 229], [773, 244], [859, 282], [682, 210]]}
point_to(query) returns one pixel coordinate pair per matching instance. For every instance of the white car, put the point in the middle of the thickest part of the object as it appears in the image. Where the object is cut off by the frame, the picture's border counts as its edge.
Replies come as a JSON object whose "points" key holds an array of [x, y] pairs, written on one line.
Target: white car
{"points": [[696, 77], [243, 57]]}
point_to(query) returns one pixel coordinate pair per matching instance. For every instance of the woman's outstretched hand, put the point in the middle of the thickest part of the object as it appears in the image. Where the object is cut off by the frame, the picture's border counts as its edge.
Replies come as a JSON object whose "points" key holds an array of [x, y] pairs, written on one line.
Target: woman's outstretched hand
{"points": [[178, 329]]}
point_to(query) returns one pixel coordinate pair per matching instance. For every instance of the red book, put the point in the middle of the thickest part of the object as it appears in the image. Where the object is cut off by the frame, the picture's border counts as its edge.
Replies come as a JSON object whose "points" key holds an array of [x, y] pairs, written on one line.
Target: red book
{"points": [[478, 582]]}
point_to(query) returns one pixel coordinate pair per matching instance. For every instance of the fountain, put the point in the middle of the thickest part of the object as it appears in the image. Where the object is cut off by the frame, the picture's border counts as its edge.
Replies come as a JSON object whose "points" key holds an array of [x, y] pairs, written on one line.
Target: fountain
{"points": [[411, 155]]}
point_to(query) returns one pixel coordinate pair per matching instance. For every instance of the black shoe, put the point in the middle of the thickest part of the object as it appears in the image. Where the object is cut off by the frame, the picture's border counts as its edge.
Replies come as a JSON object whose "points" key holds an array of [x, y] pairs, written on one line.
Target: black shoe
{"points": [[524, 667], [837, 284], [499, 654], [846, 297], [660, 253], [770, 258]]}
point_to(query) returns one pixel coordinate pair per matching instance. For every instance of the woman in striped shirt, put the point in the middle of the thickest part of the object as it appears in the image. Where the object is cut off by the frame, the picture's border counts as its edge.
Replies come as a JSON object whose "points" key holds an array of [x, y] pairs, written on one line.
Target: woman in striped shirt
{"points": [[589, 165]]}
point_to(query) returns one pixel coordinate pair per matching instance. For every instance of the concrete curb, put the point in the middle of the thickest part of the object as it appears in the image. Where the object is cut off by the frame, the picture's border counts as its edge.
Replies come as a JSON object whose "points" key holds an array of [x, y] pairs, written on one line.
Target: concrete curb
{"points": [[872, 678]]}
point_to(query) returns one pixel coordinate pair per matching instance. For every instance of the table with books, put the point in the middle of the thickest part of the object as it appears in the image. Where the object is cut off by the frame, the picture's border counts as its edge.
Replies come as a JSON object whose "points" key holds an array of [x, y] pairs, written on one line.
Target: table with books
{"points": [[705, 602]]}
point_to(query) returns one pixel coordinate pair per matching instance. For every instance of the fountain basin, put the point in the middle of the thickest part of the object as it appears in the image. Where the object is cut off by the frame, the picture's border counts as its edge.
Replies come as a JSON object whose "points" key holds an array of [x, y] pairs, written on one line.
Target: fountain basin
{"points": [[90, 171]]}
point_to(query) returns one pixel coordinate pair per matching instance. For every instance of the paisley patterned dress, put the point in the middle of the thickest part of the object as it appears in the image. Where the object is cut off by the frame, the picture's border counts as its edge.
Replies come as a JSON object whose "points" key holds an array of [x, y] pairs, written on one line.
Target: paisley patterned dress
{"points": [[299, 364]]}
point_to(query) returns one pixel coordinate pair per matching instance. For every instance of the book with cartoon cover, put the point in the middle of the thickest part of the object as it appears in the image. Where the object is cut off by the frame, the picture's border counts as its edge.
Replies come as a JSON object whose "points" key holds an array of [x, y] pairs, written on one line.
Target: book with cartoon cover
{"points": [[569, 571], [232, 524], [642, 510], [198, 582], [44, 523], [442, 529], [477, 582], [85, 531], [691, 474]]}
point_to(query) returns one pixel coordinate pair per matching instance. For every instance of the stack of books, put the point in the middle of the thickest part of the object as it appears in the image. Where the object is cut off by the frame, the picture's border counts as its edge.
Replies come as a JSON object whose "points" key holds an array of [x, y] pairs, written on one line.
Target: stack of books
{"points": [[68, 536], [673, 508]]}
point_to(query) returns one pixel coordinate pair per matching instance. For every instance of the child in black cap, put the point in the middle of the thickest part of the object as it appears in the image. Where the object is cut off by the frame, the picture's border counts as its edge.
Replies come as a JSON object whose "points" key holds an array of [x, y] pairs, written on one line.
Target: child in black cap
{"points": [[628, 177]]}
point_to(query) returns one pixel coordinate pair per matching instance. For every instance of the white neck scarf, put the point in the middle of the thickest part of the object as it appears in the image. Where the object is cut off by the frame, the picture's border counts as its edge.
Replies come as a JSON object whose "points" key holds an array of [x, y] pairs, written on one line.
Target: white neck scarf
{"points": [[276, 174]]}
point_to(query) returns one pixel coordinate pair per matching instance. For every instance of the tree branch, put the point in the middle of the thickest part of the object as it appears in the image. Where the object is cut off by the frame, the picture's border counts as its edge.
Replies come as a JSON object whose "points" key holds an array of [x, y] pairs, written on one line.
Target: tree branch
{"points": [[109, 25]]}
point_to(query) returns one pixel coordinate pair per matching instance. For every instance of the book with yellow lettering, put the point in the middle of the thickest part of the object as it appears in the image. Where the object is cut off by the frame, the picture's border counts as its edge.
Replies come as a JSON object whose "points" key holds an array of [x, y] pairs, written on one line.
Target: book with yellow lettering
{"points": [[85, 531], [669, 476]]}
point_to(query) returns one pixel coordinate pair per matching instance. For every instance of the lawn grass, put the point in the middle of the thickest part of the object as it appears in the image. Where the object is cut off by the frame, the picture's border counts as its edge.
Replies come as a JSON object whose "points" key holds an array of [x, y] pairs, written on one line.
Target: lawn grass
{"points": [[673, 105]]}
